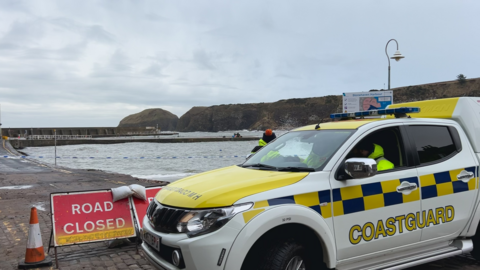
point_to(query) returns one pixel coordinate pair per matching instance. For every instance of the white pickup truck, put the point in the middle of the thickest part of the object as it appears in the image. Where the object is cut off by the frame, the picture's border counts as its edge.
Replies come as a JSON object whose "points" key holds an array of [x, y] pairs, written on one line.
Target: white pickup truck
{"points": [[384, 193]]}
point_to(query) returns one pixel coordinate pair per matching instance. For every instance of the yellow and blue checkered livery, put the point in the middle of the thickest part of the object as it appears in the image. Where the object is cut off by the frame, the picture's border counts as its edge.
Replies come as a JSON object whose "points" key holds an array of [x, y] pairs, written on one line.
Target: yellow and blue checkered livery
{"points": [[353, 199], [359, 198], [446, 183]]}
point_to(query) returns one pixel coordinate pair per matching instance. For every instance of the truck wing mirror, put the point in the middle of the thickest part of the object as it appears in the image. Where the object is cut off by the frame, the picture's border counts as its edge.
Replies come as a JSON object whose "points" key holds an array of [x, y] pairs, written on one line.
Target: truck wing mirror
{"points": [[360, 167]]}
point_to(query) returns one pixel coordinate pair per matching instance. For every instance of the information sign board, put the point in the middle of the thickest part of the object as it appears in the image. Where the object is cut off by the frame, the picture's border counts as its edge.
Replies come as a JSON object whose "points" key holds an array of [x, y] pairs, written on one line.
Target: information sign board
{"points": [[140, 206], [365, 101], [90, 216]]}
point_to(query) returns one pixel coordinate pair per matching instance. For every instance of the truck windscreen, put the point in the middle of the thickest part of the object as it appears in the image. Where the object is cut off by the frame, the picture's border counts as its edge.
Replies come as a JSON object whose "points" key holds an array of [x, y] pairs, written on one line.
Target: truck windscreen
{"points": [[299, 150]]}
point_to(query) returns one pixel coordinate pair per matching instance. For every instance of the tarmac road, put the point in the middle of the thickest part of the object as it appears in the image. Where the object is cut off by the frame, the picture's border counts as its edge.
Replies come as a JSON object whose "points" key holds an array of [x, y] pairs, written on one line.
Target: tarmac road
{"points": [[25, 183]]}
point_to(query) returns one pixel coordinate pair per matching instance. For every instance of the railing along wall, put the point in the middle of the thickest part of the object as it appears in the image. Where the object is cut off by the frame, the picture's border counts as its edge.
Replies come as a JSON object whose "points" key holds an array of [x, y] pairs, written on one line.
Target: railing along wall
{"points": [[59, 137]]}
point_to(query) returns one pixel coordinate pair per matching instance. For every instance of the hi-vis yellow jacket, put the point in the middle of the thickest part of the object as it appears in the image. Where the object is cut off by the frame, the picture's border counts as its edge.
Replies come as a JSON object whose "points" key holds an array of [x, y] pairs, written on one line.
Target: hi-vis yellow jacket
{"points": [[382, 163]]}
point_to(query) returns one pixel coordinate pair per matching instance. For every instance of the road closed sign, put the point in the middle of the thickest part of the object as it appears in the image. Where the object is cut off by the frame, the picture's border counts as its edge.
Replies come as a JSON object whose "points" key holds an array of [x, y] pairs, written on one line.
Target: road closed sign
{"points": [[140, 206], [81, 217]]}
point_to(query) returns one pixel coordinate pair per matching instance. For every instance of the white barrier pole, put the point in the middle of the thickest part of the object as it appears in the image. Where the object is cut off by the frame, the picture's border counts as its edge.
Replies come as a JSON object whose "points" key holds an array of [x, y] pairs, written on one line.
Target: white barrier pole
{"points": [[55, 134]]}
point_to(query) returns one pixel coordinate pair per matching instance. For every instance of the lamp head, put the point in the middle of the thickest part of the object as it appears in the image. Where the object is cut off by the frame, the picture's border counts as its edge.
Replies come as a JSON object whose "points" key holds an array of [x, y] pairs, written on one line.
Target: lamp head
{"points": [[397, 56]]}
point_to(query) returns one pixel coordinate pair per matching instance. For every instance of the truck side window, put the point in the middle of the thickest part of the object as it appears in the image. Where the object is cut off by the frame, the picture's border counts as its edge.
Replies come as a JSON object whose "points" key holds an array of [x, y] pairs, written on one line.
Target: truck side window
{"points": [[433, 143], [391, 142]]}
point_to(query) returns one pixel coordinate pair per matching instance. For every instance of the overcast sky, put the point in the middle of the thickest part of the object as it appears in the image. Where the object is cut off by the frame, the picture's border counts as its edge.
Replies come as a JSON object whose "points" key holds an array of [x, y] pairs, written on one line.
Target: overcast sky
{"points": [[91, 63]]}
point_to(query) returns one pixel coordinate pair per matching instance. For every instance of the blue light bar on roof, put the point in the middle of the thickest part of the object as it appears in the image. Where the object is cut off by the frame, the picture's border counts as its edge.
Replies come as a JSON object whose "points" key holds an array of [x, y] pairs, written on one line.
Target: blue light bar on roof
{"points": [[402, 110]]}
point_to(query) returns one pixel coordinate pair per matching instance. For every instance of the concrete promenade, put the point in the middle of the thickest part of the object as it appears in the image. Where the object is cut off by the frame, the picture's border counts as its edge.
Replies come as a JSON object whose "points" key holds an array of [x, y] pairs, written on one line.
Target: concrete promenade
{"points": [[27, 183]]}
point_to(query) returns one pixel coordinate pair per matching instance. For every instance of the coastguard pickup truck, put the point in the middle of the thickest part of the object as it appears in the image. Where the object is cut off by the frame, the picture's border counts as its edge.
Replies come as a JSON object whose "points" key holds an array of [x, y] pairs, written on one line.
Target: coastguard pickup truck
{"points": [[308, 200]]}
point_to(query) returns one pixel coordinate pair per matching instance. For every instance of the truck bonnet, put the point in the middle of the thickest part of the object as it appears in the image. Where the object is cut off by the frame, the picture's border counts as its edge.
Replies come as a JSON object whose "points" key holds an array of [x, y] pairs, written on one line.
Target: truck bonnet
{"points": [[223, 187]]}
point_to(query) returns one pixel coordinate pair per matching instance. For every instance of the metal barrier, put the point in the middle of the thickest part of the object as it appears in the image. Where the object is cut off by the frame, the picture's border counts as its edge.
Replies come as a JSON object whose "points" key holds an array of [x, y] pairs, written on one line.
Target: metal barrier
{"points": [[120, 157], [59, 137]]}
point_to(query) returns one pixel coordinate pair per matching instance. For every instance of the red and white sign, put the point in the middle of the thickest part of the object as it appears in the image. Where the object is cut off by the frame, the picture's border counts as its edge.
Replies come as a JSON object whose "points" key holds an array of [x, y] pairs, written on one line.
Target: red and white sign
{"points": [[81, 217], [140, 206]]}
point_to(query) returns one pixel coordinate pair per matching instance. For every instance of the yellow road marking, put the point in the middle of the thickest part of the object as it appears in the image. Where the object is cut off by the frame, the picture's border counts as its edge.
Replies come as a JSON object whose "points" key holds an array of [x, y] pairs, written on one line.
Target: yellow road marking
{"points": [[11, 230], [115, 182], [24, 228], [7, 149]]}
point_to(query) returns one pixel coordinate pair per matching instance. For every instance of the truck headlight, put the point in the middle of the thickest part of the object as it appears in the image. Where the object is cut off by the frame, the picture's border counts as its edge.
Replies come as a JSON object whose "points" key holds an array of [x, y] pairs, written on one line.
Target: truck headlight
{"points": [[198, 222]]}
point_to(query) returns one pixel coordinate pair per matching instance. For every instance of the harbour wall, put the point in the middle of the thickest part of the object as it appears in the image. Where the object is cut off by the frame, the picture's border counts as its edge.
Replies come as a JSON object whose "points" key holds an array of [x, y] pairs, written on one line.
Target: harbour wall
{"points": [[93, 131], [20, 144]]}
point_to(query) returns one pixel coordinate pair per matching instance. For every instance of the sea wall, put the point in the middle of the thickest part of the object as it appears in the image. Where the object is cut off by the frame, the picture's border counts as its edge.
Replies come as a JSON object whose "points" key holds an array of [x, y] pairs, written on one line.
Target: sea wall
{"points": [[93, 131]]}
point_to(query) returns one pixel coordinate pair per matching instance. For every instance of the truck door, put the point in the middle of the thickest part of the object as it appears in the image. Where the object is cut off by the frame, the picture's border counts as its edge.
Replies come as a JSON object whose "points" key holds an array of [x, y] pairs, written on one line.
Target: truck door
{"points": [[371, 214], [447, 169]]}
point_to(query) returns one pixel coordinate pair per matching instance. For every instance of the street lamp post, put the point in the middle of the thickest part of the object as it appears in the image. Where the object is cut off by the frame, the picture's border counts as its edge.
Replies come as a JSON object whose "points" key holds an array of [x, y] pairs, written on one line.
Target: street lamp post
{"points": [[397, 56]]}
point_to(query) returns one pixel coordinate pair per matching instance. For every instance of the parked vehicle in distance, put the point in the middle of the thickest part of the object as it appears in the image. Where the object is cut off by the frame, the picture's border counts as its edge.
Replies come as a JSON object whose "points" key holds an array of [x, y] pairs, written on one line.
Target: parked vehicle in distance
{"points": [[318, 197]]}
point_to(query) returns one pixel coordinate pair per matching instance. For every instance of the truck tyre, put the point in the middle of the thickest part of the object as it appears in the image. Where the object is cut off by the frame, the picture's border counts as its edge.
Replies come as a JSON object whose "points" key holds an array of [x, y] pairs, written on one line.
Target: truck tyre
{"points": [[289, 255], [476, 245]]}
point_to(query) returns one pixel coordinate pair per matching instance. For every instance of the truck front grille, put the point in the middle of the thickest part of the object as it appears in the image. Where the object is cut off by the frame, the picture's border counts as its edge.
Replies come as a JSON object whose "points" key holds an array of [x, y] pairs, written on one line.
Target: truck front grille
{"points": [[164, 219]]}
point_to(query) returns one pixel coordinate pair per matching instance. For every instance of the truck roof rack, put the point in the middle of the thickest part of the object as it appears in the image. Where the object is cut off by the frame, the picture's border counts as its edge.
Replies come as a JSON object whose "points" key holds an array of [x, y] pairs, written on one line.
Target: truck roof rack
{"points": [[398, 112]]}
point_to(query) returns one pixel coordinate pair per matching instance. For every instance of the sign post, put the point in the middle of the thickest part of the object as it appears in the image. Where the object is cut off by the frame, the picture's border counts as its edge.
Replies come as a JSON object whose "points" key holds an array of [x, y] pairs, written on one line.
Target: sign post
{"points": [[140, 206], [55, 136]]}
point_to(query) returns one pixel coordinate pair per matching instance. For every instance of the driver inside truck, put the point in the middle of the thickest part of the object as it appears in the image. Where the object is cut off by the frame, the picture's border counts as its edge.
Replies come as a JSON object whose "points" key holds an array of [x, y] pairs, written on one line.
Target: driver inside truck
{"points": [[373, 151]]}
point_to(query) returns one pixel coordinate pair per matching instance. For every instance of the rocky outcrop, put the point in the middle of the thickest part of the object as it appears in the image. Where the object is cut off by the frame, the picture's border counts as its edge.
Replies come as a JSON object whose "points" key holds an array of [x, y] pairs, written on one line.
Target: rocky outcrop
{"points": [[291, 113], [151, 118]]}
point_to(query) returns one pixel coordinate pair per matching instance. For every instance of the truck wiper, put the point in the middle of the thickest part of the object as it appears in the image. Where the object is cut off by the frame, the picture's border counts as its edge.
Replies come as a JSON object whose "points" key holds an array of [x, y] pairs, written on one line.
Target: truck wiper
{"points": [[260, 165], [295, 169]]}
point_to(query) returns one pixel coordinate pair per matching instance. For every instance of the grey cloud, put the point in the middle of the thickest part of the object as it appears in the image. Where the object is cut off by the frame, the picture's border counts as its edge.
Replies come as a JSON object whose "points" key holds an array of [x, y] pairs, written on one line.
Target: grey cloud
{"points": [[97, 33], [69, 52], [119, 64], [14, 5], [93, 32], [203, 59], [154, 70], [24, 32], [8, 46], [155, 17]]}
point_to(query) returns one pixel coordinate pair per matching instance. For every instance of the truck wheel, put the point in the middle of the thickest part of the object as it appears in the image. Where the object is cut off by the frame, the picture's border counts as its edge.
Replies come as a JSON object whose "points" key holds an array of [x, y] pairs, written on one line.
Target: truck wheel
{"points": [[288, 255], [476, 246]]}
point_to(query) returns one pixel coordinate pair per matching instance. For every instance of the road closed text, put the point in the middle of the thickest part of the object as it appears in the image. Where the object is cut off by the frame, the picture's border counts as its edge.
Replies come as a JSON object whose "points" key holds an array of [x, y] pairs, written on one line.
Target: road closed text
{"points": [[90, 226], [90, 216], [399, 224]]}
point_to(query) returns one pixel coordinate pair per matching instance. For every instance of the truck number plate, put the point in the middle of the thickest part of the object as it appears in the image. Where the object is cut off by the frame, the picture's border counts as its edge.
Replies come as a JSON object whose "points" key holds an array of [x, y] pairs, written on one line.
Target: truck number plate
{"points": [[152, 240]]}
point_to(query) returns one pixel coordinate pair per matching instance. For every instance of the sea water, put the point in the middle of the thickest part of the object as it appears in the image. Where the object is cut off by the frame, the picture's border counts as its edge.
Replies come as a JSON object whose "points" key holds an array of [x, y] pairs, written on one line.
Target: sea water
{"points": [[153, 161]]}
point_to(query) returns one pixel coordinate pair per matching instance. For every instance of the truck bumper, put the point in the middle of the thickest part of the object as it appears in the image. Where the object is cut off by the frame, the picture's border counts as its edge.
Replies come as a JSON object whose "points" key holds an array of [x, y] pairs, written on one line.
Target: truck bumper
{"points": [[208, 251]]}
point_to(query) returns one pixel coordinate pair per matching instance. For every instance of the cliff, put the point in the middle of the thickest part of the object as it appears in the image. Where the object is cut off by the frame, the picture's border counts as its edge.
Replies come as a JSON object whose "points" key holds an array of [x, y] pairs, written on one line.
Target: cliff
{"points": [[447, 89], [150, 118], [283, 114], [287, 114]]}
